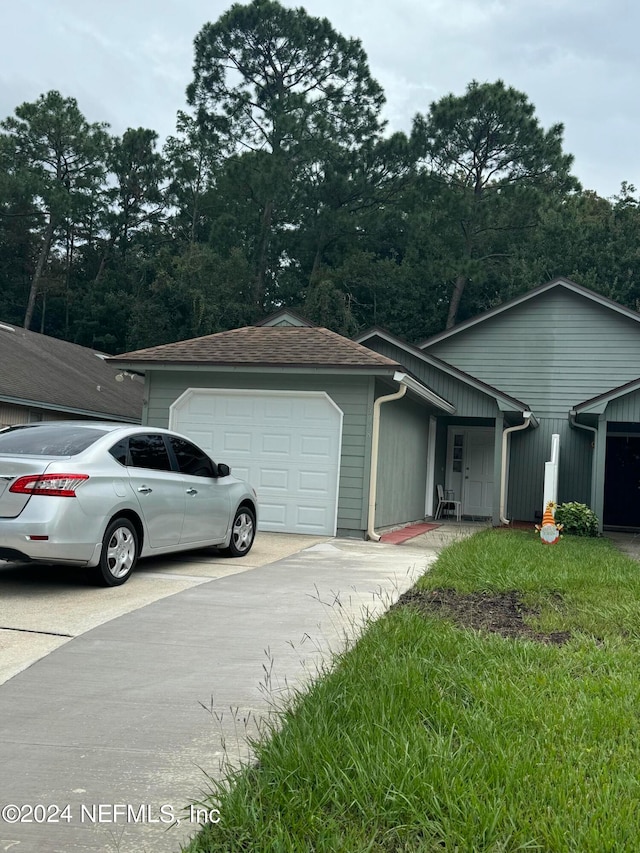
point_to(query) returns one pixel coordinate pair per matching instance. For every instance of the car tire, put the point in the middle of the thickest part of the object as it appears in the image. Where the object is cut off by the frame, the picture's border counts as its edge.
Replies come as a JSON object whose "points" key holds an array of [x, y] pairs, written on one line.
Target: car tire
{"points": [[243, 532], [119, 553]]}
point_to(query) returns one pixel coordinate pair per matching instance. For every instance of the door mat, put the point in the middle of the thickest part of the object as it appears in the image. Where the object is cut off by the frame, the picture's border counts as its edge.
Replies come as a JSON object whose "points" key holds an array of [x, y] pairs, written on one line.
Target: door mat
{"points": [[397, 537]]}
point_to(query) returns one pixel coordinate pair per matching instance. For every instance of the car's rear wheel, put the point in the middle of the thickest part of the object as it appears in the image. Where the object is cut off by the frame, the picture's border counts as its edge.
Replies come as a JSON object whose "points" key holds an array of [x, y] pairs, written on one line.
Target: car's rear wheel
{"points": [[119, 553], [243, 532]]}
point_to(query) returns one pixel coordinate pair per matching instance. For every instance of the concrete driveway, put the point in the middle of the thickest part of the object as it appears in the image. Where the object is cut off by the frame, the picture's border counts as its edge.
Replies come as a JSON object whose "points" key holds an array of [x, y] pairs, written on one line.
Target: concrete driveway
{"points": [[42, 607], [113, 734]]}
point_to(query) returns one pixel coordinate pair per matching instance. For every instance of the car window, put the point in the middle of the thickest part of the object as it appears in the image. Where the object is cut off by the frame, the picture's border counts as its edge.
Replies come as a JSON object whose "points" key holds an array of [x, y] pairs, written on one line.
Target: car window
{"points": [[191, 460], [119, 451], [48, 440], [149, 451]]}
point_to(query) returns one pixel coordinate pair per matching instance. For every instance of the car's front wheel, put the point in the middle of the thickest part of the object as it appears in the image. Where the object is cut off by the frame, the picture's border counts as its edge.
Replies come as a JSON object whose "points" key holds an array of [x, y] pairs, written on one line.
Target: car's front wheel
{"points": [[119, 553], [243, 532]]}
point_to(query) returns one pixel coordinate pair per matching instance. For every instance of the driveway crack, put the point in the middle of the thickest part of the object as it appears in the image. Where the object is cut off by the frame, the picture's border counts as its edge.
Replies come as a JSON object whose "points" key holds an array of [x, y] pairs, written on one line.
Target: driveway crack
{"points": [[33, 631]]}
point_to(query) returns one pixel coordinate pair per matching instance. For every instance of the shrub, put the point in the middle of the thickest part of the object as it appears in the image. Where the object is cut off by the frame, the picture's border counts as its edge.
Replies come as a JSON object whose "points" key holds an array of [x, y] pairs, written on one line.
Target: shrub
{"points": [[577, 519]]}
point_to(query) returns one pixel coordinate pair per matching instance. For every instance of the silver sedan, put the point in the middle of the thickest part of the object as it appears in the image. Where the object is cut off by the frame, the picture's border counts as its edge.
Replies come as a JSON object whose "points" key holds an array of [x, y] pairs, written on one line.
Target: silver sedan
{"points": [[103, 494]]}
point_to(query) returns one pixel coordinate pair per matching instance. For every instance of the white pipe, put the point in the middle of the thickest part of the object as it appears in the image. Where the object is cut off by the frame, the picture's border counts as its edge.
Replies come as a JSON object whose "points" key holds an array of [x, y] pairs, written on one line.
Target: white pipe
{"points": [[503, 473], [373, 481]]}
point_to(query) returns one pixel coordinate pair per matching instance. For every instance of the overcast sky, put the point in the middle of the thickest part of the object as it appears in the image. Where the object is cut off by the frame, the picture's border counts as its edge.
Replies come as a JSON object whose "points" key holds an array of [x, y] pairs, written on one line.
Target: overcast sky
{"points": [[128, 62]]}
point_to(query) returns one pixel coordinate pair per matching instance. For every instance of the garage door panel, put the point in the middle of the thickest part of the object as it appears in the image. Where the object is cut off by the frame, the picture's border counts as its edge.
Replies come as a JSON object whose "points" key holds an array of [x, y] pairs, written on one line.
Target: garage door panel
{"points": [[274, 517], [286, 444], [273, 478], [313, 481], [276, 444], [237, 442], [313, 518]]}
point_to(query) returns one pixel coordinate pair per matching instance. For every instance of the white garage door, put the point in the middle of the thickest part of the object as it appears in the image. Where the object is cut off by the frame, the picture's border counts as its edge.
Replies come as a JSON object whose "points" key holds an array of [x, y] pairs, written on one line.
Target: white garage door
{"points": [[286, 444]]}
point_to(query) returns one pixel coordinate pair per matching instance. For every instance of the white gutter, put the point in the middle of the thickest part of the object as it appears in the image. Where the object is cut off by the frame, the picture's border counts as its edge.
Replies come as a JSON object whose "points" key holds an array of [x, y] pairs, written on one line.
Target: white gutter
{"points": [[503, 478], [375, 437]]}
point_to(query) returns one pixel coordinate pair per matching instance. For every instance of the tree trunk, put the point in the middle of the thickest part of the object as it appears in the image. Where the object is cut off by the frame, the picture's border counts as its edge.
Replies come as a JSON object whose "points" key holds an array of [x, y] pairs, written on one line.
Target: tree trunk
{"points": [[261, 273], [456, 296], [35, 281], [103, 259], [318, 257]]}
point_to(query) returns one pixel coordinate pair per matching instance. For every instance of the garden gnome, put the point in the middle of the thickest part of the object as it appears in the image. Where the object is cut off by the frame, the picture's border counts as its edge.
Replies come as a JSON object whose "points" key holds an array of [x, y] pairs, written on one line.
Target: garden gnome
{"points": [[549, 530]]}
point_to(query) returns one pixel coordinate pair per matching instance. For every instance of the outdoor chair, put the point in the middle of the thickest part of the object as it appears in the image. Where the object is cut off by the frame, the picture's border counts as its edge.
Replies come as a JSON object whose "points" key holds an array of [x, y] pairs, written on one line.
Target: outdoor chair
{"points": [[446, 502]]}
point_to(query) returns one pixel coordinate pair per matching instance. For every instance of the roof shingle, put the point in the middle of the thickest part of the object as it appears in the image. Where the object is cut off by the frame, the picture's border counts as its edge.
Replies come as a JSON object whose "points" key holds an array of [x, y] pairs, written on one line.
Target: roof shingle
{"points": [[53, 373], [265, 346]]}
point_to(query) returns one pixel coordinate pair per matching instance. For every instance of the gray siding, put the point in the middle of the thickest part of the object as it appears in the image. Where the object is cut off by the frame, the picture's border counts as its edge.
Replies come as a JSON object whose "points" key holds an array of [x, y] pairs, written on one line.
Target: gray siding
{"points": [[402, 465], [353, 394], [530, 449], [553, 351], [468, 401]]}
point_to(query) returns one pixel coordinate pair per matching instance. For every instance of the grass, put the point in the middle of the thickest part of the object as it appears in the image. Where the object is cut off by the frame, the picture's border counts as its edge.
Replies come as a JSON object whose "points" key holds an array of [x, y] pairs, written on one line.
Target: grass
{"points": [[429, 737]]}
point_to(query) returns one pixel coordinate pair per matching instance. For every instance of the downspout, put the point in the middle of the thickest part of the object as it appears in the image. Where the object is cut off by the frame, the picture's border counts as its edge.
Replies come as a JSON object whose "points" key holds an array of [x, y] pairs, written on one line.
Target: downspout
{"points": [[503, 478], [373, 480], [594, 430]]}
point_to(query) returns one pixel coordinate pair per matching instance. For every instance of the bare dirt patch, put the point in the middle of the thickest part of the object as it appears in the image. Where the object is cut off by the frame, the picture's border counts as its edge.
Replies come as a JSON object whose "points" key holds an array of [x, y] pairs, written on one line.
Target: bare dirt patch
{"points": [[496, 612]]}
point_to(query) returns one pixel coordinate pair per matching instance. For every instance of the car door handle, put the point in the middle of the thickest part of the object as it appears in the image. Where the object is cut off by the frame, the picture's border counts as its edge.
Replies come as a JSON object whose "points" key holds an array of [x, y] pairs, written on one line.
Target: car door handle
{"points": [[192, 491], [144, 490]]}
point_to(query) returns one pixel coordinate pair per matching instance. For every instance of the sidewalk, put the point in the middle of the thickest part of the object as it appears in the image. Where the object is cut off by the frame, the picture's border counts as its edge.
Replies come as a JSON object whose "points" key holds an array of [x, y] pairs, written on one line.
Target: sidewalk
{"points": [[123, 723]]}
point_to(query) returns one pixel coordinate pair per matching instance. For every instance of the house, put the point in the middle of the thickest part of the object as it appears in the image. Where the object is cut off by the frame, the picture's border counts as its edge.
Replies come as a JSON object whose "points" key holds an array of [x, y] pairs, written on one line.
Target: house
{"points": [[44, 378], [345, 436]]}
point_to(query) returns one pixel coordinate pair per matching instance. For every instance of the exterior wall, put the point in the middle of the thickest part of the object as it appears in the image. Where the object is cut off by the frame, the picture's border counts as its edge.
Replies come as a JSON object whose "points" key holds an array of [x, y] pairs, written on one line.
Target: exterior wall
{"points": [[530, 449], [353, 394], [553, 351], [468, 401], [11, 415], [402, 462]]}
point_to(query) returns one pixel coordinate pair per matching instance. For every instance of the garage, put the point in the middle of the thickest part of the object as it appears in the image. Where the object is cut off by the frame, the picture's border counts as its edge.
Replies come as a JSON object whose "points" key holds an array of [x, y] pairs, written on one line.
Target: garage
{"points": [[285, 443]]}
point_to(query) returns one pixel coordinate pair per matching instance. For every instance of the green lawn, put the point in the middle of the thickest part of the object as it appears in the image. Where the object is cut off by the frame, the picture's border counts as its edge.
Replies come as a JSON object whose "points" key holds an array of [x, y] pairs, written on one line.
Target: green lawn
{"points": [[430, 737]]}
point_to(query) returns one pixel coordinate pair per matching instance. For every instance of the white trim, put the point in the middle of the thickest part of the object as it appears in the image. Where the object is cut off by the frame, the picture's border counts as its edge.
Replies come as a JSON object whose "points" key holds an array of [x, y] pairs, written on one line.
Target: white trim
{"points": [[431, 466], [423, 392], [243, 392]]}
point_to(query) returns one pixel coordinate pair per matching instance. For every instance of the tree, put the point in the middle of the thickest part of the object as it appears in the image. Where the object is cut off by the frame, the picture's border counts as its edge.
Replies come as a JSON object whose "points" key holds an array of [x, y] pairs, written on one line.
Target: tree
{"points": [[60, 157], [192, 157], [283, 86], [500, 169]]}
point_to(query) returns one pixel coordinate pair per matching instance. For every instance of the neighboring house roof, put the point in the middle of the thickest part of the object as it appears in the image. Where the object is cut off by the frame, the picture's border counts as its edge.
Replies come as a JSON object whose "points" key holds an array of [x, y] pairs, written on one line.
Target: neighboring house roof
{"points": [[284, 317], [264, 346], [47, 373], [505, 401], [598, 404], [531, 294]]}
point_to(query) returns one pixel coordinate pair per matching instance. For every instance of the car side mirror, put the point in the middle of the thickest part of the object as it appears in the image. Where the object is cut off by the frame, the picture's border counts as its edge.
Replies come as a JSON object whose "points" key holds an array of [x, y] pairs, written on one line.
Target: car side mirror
{"points": [[223, 470]]}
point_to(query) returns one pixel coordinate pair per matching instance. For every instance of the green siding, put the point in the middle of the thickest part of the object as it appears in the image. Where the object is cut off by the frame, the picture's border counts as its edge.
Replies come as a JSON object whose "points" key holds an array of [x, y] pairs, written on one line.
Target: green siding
{"points": [[353, 394], [553, 351], [468, 401], [625, 408], [402, 462], [530, 449]]}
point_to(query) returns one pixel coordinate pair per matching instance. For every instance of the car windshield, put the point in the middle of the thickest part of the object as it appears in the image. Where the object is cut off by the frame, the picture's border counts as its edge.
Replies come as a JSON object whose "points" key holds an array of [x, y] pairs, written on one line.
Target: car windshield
{"points": [[49, 440]]}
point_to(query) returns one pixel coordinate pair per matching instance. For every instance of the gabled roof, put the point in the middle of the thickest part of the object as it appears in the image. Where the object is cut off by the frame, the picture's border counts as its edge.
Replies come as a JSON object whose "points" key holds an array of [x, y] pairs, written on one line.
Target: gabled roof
{"points": [[47, 373], [264, 346], [597, 405], [505, 401], [532, 294], [284, 317]]}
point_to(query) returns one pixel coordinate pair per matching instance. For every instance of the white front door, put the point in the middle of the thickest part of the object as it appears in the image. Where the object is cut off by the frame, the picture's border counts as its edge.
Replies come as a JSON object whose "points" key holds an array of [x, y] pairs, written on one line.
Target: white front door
{"points": [[470, 457], [477, 496]]}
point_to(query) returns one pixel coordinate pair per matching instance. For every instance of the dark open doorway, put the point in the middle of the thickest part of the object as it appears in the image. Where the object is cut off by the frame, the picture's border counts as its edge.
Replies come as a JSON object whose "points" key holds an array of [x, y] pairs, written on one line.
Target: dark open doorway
{"points": [[622, 481]]}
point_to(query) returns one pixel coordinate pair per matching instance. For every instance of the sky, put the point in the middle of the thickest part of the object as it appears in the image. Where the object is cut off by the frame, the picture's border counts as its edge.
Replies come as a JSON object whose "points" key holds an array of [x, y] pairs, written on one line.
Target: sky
{"points": [[128, 62]]}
